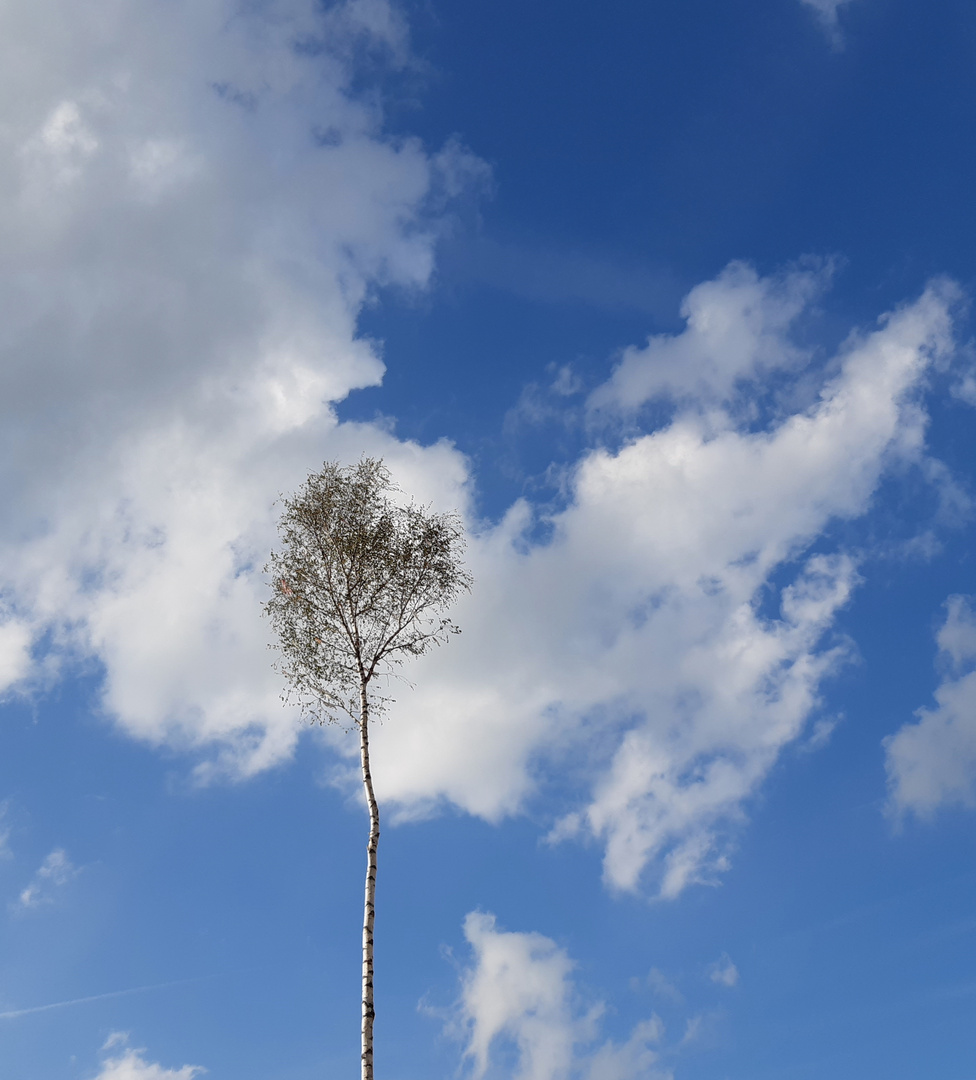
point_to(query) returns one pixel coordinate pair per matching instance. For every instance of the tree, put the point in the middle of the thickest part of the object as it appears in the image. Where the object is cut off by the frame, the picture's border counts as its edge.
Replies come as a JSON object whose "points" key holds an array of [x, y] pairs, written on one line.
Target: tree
{"points": [[361, 583]]}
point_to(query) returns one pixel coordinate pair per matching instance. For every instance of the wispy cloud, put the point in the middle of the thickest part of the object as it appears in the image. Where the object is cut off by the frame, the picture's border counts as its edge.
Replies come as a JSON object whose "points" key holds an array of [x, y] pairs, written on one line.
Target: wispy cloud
{"points": [[663, 987], [56, 870], [562, 276], [724, 972], [826, 11], [15, 1014], [4, 830]]}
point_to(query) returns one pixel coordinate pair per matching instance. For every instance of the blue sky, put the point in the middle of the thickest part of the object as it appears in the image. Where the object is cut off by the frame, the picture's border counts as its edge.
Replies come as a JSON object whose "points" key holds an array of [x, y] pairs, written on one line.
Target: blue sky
{"points": [[672, 302]]}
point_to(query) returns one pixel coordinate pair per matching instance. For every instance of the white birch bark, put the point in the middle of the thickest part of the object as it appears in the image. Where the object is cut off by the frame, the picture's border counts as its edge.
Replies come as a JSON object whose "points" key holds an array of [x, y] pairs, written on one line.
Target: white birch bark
{"points": [[369, 908]]}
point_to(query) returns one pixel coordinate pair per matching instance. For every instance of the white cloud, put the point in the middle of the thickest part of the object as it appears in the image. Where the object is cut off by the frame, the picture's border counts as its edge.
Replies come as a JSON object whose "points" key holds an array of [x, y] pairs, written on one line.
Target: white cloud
{"points": [[663, 987], [131, 1064], [193, 212], [635, 638], [737, 330], [632, 1060], [724, 972], [932, 762], [827, 12], [519, 995], [5, 852], [519, 988], [15, 655], [56, 870]]}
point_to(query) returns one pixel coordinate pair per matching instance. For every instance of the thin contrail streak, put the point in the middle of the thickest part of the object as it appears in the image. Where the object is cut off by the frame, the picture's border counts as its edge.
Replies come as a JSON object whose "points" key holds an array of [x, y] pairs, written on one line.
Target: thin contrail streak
{"points": [[13, 1014]]}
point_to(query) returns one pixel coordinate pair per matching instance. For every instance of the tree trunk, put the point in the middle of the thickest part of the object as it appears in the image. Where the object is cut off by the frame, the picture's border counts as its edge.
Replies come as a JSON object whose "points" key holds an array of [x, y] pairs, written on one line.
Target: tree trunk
{"points": [[369, 909]]}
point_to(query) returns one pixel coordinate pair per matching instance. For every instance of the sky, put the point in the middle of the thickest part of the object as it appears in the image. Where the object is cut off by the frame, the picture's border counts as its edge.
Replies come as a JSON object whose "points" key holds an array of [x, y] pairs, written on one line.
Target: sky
{"points": [[672, 303]]}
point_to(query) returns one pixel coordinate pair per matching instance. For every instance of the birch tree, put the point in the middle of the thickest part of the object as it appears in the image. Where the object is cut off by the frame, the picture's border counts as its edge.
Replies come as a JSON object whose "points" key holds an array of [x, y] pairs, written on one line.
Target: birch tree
{"points": [[361, 583]]}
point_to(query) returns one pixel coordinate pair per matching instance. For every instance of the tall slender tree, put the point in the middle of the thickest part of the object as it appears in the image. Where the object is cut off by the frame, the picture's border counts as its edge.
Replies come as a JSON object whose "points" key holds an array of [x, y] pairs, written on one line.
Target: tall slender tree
{"points": [[361, 582]]}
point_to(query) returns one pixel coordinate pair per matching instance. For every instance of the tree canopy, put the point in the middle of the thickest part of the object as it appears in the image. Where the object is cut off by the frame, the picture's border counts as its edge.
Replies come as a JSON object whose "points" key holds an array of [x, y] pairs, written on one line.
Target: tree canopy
{"points": [[361, 582]]}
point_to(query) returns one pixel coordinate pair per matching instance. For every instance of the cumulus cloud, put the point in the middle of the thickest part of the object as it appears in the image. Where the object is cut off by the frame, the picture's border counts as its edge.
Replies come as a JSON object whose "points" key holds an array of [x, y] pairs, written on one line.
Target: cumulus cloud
{"points": [[129, 1064], [194, 207], [56, 870], [932, 762], [519, 995], [672, 630], [736, 330]]}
